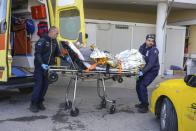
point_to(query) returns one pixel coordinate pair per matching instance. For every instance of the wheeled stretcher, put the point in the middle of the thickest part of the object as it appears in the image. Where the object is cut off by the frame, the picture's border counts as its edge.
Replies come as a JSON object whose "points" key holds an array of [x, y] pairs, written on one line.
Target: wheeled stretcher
{"points": [[79, 70]]}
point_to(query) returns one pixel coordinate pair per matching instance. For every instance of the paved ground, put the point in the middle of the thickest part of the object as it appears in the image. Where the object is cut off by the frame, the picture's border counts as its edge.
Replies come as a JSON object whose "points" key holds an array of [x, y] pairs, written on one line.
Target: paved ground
{"points": [[15, 115]]}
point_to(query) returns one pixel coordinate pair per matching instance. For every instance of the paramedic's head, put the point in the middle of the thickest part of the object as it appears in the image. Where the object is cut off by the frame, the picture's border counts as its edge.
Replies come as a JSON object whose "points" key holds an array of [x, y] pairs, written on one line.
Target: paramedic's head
{"points": [[53, 32], [150, 40]]}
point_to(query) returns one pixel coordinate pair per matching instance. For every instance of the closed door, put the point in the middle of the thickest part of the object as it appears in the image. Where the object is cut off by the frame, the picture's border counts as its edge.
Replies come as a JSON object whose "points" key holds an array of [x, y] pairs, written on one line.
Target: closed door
{"points": [[104, 36], [174, 50], [114, 38], [90, 33], [121, 38], [139, 35]]}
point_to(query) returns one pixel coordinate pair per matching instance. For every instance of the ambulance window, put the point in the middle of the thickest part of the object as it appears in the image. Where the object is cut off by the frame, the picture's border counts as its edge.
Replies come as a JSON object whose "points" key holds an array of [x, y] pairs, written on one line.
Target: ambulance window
{"points": [[70, 24], [3, 5]]}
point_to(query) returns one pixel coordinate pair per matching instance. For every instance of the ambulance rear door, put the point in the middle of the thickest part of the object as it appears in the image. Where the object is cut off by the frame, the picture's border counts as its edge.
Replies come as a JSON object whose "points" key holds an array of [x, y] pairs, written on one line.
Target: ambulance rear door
{"points": [[69, 19]]}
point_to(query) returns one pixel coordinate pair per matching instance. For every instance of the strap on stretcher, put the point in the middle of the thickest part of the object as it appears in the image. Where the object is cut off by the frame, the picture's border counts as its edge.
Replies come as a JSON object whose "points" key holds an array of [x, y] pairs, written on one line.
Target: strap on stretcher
{"points": [[95, 64], [92, 67]]}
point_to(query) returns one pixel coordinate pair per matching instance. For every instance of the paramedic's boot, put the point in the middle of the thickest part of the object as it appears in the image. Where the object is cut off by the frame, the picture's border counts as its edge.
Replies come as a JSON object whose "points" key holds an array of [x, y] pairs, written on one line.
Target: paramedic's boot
{"points": [[41, 105], [143, 109], [33, 107], [140, 105]]}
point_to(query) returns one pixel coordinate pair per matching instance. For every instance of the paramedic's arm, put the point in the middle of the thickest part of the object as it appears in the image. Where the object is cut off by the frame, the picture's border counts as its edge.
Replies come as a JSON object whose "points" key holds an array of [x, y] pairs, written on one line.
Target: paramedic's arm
{"points": [[153, 56], [63, 57], [38, 51], [141, 50], [58, 53]]}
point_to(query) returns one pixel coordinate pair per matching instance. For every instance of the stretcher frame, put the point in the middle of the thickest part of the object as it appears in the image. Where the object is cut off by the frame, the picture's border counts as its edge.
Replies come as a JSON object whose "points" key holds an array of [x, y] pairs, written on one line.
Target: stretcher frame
{"points": [[100, 75]]}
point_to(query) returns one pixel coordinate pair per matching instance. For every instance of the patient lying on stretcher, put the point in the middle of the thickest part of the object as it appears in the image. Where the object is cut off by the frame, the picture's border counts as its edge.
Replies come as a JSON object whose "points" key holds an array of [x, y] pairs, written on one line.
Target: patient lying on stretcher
{"points": [[126, 60]]}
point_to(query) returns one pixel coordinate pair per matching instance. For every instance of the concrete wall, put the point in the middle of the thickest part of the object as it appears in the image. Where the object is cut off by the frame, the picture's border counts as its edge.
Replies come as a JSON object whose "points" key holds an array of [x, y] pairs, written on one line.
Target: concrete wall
{"points": [[115, 40], [192, 40], [115, 15], [144, 17], [182, 15], [137, 16]]}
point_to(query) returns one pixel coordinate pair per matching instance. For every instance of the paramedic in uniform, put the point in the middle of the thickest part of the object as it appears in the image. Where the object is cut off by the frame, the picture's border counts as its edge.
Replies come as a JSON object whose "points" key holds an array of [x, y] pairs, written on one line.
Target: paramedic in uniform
{"points": [[148, 73], [45, 51]]}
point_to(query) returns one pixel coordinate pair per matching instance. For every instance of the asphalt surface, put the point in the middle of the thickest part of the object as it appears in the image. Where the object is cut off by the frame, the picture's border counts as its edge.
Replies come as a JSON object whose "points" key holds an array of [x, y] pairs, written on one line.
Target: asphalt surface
{"points": [[15, 114]]}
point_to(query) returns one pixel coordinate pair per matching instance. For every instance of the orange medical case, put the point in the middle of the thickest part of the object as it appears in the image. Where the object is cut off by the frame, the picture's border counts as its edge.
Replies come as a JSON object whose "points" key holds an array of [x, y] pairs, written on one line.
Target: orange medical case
{"points": [[38, 12]]}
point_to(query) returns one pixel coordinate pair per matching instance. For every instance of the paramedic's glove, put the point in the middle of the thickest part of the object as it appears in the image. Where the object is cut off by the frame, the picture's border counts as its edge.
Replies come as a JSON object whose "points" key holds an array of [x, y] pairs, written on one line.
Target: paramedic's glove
{"points": [[44, 66], [141, 73], [68, 60]]}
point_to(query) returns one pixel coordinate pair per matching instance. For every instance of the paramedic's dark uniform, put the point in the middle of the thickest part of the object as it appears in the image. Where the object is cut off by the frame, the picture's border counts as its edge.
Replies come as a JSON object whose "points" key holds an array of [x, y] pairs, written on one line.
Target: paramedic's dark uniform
{"points": [[45, 51], [150, 71]]}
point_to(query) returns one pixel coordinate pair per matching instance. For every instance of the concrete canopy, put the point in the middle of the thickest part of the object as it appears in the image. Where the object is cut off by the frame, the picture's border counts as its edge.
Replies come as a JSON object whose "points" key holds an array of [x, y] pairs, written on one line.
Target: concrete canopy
{"points": [[181, 4]]}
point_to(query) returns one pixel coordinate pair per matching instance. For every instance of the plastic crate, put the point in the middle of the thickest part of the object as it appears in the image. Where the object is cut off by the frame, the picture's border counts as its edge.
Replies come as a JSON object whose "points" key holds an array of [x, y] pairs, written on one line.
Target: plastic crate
{"points": [[38, 12]]}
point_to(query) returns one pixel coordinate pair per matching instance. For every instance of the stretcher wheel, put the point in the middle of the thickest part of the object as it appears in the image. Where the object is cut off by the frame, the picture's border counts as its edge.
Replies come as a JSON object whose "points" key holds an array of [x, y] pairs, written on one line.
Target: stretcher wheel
{"points": [[120, 80], [112, 109], [103, 103], [52, 77], [75, 112], [68, 105]]}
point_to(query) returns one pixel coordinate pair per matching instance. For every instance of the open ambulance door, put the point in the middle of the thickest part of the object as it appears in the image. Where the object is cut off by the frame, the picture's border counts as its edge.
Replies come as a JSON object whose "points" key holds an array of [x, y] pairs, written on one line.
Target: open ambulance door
{"points": [[69, 19], [5, 57], [49, 8]]}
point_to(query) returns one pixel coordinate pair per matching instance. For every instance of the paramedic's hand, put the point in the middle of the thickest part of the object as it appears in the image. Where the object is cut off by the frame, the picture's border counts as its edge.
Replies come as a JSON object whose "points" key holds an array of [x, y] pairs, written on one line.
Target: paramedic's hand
{"points": [[44, 66], [68, 60], [140, 73]]}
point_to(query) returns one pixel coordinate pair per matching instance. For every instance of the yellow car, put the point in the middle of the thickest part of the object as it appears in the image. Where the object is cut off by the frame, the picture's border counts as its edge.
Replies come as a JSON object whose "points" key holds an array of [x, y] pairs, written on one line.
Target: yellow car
{"points": [[174, 103]]}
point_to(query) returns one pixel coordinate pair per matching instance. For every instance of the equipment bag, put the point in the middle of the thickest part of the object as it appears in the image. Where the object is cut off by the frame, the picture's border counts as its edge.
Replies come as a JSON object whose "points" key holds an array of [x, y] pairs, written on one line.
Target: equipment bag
{"points": [[18, 20], [42, 27]]}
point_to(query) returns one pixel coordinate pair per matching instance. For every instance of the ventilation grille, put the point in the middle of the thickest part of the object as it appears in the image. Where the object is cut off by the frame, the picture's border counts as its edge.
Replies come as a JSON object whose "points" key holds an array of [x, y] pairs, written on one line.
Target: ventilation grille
{"points": [[121, 26]]}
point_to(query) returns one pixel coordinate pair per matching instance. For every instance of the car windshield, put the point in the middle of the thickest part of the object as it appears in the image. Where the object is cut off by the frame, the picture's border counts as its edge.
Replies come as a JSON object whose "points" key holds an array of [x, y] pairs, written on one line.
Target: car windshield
{"points": [[70, 24]]}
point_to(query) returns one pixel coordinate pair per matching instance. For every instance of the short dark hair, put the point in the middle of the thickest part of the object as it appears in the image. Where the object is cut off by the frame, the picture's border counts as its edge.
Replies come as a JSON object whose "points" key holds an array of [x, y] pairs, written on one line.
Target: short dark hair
{"points": [[52, 28], [153, 36]]}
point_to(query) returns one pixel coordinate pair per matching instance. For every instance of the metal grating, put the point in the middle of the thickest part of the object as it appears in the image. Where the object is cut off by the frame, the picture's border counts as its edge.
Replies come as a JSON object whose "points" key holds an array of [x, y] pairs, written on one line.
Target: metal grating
{"points": [[121, 26]]}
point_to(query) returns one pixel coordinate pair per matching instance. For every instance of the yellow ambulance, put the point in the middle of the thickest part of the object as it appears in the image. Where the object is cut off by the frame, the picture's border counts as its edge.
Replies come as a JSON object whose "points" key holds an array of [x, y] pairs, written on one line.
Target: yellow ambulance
{"points": [[16, 68]]}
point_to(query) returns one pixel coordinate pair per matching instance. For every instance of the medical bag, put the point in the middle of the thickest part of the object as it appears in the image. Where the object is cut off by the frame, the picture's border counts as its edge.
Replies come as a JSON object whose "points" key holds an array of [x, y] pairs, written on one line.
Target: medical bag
{"points": [[42, 27], [38, 12]]}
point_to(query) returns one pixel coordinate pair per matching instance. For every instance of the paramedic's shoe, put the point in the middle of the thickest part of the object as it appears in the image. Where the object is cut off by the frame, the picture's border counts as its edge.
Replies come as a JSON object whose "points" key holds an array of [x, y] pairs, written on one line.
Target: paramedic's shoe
{"points": [[41, 106], [143, 109], [33, 107], [140, 105]]}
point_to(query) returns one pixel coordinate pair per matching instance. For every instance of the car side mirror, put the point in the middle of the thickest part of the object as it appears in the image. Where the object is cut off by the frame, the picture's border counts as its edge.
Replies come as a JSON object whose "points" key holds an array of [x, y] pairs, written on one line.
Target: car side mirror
{"points": [[190, 80]]}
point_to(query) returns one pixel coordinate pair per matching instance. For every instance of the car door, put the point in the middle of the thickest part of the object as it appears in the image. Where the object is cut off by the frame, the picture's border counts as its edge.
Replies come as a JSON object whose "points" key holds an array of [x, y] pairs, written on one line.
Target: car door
{"points": [[189, 109], [5, 57]]}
